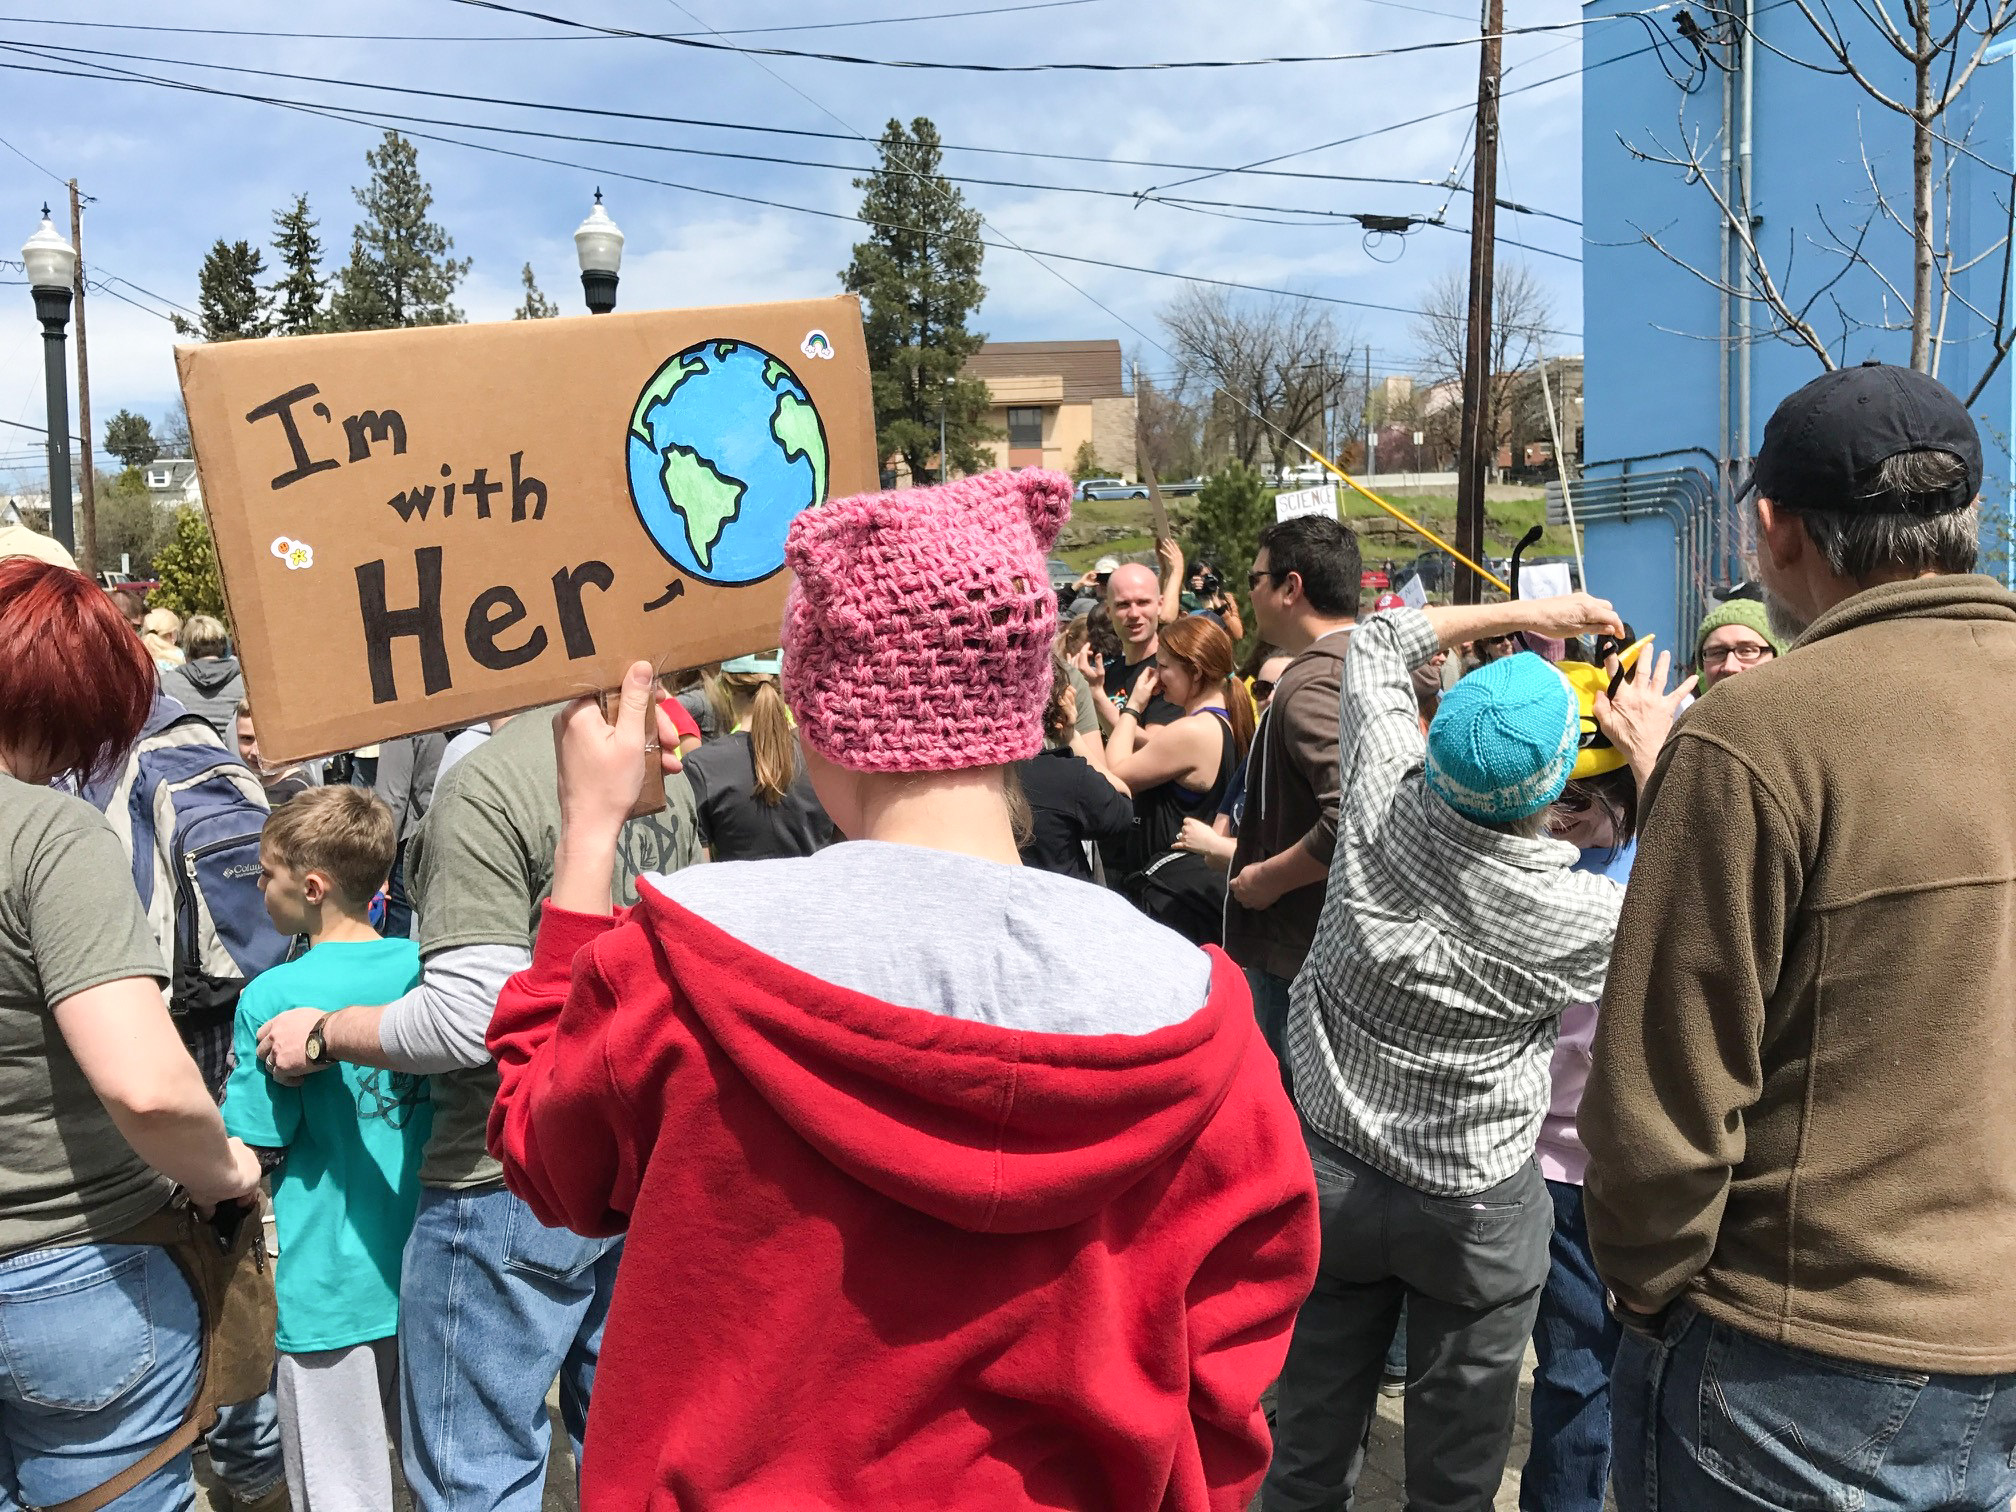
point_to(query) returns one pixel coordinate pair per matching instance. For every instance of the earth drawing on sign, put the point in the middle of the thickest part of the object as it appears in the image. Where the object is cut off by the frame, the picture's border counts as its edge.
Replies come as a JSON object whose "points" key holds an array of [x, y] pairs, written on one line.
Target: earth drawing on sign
{"points": [[725, 450]]}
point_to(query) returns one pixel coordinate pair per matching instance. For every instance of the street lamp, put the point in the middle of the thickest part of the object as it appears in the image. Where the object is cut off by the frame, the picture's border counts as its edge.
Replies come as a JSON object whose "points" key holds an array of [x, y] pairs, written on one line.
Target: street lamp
{"points": [[598, 243], [52, 269]]}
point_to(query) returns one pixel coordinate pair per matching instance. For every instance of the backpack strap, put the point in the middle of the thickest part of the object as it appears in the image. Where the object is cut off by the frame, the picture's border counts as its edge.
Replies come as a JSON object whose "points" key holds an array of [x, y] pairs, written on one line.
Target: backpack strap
{"points": [[180, 1441]]}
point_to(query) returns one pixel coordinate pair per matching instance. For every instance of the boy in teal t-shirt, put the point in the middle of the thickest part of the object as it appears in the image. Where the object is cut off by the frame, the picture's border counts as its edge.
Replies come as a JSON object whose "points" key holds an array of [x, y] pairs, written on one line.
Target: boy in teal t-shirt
{"points": [[349, 1138]]}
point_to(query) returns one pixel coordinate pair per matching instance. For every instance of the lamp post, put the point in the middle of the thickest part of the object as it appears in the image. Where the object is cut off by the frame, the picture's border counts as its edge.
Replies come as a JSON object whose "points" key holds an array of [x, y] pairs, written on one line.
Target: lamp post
{"points": [[598, 243], [52, 268]]}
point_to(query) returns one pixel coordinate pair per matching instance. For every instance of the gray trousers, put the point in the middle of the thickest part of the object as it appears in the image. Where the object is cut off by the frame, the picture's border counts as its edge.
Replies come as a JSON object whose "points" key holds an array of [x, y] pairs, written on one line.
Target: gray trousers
{"points": [[1470, 1270], [339, 1421]]}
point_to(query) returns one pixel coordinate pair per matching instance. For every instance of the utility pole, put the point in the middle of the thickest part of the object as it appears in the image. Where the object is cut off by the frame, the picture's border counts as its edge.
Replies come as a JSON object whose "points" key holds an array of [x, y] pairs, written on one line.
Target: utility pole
{"points": [[87, 494], [1473, 450], [1371, 426]]}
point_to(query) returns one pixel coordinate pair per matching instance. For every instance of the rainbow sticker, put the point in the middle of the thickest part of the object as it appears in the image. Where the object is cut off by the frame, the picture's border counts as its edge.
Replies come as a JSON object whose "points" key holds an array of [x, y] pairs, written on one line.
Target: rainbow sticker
{"points": [[815, 344]]}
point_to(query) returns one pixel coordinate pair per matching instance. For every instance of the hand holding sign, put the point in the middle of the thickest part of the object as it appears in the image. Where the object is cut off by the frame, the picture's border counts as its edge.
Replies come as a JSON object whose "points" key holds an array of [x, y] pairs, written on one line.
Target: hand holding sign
{"points": [[604, 766]]}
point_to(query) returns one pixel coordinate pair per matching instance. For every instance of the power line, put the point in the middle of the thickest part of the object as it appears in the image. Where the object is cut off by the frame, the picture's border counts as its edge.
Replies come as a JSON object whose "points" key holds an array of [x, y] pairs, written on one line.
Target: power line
{"points": [[1265, 214], [678, 40], [32, 163], [43, 49], [38, 429], [1260, 164], [336, 114], [740, 31]]}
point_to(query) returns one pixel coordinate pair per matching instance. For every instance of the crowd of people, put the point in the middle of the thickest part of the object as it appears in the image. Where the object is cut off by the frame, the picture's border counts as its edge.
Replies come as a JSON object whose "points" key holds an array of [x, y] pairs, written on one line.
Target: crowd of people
{"points": [[1087, 1069]]}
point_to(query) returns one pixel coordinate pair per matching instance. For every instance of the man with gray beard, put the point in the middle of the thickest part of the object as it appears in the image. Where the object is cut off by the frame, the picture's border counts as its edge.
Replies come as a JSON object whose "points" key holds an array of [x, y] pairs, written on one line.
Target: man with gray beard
{"points": [[1802, 1190]]}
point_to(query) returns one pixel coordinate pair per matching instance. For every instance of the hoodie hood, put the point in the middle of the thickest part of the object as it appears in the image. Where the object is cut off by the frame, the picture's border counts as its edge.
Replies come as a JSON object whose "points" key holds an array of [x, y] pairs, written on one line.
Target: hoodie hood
{"points": [[993, 1129], [210, 674]]}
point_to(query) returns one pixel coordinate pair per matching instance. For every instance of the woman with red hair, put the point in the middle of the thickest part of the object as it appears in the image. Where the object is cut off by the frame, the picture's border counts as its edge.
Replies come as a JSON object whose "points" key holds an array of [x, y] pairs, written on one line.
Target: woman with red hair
{"points": [[102, 1112]]}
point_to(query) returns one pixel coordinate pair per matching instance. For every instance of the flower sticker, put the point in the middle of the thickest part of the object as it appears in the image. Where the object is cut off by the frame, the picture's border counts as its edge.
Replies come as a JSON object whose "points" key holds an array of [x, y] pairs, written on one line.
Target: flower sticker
{"points": [[296, 554], [815, 344]]}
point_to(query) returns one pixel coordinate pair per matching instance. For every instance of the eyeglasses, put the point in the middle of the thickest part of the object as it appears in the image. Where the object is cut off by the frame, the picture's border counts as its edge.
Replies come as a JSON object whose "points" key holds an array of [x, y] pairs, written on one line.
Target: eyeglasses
{"points": [[1746, 655], [1255, 578]]}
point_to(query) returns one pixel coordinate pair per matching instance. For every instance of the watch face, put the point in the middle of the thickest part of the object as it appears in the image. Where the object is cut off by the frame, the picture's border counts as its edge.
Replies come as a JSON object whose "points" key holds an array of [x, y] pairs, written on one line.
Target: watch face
{"points": [[313, 1045]]}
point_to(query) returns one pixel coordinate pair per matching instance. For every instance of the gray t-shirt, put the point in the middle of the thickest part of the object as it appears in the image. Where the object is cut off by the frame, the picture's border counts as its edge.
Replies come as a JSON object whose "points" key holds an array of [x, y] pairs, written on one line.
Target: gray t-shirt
{"points": [[479, 867], [70, 920]]}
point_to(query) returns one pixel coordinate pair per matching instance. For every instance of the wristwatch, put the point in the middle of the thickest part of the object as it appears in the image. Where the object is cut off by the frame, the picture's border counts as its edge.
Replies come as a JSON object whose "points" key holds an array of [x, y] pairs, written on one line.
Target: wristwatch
{"points": [[315, 1046]]}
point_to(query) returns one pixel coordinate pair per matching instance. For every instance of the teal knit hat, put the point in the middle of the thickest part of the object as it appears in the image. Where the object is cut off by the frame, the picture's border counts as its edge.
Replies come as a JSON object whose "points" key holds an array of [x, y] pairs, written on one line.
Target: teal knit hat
{"points": [[1504, 740], [1747, 612]]}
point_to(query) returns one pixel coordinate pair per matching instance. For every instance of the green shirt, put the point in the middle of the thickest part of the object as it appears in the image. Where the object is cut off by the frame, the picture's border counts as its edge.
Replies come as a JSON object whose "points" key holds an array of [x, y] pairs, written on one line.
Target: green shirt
{"points": [[70, 920], [344, 1200], [480, 866]]}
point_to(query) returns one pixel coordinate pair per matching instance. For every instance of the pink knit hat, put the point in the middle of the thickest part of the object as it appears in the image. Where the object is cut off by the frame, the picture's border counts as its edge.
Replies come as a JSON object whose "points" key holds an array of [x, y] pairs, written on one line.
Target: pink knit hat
{"points": [[917, 637]]}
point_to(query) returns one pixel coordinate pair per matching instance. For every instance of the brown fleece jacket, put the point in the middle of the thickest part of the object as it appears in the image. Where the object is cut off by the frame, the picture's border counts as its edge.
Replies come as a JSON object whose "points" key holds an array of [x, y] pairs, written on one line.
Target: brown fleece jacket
{"points": [[1800, 1111], [1291, 799]]}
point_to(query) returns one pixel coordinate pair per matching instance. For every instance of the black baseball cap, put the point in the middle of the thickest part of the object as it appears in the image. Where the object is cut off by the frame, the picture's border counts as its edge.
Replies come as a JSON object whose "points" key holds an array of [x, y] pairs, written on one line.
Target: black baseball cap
{"points": [[1822, 443]]}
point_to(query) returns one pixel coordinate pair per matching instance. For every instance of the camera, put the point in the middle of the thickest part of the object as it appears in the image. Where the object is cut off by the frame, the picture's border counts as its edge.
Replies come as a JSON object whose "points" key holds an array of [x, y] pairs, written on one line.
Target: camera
{"points": [[1212, 587]]}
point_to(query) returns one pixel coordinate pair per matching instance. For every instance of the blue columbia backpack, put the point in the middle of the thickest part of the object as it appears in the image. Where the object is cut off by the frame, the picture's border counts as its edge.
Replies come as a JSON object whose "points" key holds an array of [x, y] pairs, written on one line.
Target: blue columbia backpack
{"points": [[189, 813]]}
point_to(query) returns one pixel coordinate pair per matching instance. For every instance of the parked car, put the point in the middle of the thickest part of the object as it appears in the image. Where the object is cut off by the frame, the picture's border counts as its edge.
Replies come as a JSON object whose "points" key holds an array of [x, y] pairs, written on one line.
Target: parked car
{"points": [[1063, 576], [1185, 488], [1110, 488], [1375, 580]]}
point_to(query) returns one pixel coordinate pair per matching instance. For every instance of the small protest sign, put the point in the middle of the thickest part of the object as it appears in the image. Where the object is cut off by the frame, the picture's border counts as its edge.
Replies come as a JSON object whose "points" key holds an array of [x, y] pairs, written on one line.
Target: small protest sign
{"points": [[1545, 580], [1321, 500], [422, 528], [1412, 594]]}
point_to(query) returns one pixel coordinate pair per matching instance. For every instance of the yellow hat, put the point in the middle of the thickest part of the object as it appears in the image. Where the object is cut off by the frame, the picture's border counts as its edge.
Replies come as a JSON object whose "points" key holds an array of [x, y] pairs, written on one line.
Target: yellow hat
{"points": [[1586, 681]]}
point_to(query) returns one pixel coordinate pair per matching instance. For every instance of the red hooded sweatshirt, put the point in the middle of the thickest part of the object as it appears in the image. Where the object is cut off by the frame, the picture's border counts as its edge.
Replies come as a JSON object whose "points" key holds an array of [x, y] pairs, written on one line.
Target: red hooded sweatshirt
{"points": [[879, 1258]]}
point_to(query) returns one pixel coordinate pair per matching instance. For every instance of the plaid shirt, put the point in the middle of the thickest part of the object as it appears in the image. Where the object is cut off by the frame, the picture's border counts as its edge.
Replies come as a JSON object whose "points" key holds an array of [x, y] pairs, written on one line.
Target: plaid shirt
{"points": [[1423, 1023]]}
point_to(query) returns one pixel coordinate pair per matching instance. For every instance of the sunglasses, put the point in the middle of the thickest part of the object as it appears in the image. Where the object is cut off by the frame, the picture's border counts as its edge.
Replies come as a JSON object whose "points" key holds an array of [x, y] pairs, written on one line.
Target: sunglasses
{"points": [[1256, 578], [1574, 803], [1262, 688]]}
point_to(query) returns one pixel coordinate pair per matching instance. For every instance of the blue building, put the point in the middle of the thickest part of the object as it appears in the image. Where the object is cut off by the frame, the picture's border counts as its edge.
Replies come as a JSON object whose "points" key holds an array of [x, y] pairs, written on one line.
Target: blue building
{"points": [[1681, 376]]}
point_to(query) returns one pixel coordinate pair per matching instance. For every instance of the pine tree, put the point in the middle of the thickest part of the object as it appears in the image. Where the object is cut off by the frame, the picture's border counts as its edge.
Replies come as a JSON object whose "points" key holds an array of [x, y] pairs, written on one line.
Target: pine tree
{"points": [[298, 291], [918, 275], [131, 439], [229, 300], [535, 306], [399, 273], [187, 568]]}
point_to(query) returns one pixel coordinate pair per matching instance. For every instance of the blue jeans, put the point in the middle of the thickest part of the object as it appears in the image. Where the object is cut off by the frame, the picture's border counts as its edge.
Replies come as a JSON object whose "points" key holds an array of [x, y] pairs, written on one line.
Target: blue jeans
{"points": [[1712, 1419], [244, 1447], [1270, 1008], [492, 1306], [100, 1351], [1575, 1340]]}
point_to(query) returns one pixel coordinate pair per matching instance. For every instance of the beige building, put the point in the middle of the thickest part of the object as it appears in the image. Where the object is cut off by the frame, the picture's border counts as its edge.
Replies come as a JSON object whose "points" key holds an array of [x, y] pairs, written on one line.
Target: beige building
{"points": [[1050, 397]]}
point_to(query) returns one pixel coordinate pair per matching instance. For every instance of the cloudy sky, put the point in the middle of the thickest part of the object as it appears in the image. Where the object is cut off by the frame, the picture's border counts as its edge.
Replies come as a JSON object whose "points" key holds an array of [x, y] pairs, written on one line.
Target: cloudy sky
{"points": [[170, 170]]}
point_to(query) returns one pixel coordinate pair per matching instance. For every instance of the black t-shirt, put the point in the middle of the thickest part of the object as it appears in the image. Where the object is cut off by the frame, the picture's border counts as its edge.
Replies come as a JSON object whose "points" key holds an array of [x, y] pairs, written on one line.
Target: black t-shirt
{"points": [[1069, 803], [734, 824], [1121, 675]]}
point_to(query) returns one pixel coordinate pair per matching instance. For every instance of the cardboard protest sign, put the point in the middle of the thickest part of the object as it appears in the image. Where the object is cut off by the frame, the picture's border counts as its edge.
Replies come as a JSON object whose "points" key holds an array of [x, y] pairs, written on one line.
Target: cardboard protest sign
{"points": [[1321, 500], [421, 528]]}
